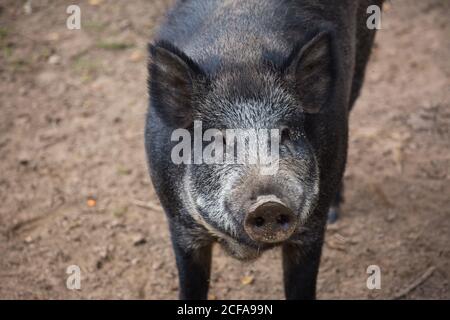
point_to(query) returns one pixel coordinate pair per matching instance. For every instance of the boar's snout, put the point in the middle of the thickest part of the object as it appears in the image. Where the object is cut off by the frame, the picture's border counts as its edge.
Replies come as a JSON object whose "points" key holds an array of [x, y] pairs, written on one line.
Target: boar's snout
{"points": [[269, 220]]}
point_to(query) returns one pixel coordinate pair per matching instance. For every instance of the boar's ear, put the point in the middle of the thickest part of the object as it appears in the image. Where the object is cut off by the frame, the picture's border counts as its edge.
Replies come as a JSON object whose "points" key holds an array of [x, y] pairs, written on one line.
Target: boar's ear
{"points": [[310, 69], [172, 83]]}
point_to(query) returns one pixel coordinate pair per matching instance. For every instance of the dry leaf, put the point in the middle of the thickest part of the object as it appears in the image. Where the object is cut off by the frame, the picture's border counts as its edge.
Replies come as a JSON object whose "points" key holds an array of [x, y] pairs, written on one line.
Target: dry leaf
{"points": [[53, 36], [246, 280], [136, 56], [95, 2], [91, 203]]}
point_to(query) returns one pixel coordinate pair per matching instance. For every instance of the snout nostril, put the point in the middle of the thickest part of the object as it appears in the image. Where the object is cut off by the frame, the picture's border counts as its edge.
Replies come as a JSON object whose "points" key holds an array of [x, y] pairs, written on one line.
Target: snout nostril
{"points": [[283, 220], [259, 221]]}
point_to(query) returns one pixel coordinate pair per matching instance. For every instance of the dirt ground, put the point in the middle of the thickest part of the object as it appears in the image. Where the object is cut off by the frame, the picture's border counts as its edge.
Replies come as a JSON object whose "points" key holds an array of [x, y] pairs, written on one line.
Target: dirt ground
{"points": [[73, 173]]}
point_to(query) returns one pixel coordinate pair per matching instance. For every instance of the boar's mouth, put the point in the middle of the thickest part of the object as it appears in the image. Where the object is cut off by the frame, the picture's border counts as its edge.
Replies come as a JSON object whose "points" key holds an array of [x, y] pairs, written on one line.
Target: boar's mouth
{"points": [[243, 251]]}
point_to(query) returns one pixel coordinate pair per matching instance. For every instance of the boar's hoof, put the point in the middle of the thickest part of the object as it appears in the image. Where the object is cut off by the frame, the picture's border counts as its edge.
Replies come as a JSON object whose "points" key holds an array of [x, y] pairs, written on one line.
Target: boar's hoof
{"points": [[333, 214]]}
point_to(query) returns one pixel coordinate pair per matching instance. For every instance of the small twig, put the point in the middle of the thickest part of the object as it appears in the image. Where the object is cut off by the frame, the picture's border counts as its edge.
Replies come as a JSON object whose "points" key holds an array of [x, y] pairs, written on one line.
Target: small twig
{"points": [[146, 205], [415, 284]]}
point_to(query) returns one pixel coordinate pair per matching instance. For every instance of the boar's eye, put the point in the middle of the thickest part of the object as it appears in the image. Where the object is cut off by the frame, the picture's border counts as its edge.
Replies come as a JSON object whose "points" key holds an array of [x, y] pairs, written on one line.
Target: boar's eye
{"points": [[285, 136]]}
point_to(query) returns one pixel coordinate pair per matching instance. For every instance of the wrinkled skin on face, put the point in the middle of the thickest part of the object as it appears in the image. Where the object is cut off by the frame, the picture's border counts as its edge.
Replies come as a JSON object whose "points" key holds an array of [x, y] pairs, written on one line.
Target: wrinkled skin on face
{"points": [[221, 194]]}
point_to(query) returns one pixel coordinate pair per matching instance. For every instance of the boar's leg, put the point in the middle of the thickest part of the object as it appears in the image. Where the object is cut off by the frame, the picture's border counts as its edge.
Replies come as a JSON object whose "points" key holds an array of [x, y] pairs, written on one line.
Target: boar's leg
{"points": [[335, 209], [300, 268], [194, 267]]}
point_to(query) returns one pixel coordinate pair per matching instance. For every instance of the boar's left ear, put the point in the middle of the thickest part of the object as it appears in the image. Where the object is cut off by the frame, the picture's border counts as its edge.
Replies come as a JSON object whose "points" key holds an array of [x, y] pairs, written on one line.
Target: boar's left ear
{"points": [[310, 69], [173, 77]]}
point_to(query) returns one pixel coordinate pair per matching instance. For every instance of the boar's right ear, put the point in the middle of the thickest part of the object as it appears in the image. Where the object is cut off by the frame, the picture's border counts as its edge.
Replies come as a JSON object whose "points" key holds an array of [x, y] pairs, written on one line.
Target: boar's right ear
{"points": [[172, 82], [310, 70]]}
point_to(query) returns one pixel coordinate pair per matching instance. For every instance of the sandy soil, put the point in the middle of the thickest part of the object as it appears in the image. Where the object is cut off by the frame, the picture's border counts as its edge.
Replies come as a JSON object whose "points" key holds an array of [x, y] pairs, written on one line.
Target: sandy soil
{"points": [[73, 171]]}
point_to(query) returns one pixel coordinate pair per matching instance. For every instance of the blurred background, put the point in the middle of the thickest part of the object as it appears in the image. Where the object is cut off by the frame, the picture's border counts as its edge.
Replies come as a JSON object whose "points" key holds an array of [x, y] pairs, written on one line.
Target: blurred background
{"points": [[74, 188]]}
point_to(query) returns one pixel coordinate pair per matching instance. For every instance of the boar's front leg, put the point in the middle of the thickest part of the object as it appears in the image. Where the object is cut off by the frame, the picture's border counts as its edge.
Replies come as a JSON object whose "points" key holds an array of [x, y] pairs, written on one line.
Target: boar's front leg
{"points": [[335, 209], [193, 260], [300, 268]]}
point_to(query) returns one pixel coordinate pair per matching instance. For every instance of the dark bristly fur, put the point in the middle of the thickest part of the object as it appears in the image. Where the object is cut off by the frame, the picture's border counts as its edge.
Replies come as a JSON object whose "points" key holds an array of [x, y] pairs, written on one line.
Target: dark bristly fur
{"points": [[297, 65]]}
